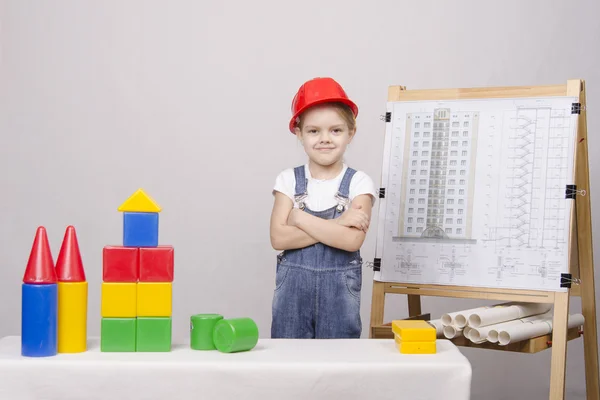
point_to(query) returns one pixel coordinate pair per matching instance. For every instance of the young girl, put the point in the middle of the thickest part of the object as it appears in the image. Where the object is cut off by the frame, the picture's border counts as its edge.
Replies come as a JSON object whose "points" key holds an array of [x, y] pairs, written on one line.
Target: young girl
{"points": [[320, 217]]}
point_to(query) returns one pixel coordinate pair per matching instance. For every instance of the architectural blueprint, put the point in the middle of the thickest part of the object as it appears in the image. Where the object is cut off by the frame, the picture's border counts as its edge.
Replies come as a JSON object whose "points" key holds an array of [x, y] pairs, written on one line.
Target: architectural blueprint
{"points": [[475, 192]]}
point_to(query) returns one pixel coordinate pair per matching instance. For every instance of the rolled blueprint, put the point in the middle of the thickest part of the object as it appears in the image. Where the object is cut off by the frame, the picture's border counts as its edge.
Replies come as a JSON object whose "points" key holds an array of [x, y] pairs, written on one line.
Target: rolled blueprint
{"points": [[493, 333], [451, 331], [482, 334], [478, 335], [461, 318], [516, 333], [439, 327], [492, 330], [450, 318], [507, 312], [466, 331]]}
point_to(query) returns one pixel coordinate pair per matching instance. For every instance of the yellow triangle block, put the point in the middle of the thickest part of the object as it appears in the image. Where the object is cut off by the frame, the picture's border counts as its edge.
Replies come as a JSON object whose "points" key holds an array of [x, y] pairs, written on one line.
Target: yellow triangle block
{"points": [[139, 202]]}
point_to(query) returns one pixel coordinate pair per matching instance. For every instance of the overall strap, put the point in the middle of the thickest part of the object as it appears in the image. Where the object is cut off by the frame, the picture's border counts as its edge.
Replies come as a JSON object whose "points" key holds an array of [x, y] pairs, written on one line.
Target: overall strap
{"points": [[343, 192], [301, 186], [344, 189]]}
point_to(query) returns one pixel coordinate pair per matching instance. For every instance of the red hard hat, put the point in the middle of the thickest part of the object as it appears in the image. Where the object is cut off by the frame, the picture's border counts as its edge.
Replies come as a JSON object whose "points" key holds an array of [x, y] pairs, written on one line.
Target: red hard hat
{"points": [[318, 91]]}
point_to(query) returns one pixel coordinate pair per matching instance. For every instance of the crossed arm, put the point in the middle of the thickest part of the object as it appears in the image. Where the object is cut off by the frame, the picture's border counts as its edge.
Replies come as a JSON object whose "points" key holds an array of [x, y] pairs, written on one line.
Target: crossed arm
{"points": [[292, 228]]}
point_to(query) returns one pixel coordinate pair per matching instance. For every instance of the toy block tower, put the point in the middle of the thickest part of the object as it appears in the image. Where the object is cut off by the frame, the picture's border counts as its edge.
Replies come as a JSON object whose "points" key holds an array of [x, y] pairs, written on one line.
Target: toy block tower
{"points": [[72, 296], [39, 301], [137, 282]]}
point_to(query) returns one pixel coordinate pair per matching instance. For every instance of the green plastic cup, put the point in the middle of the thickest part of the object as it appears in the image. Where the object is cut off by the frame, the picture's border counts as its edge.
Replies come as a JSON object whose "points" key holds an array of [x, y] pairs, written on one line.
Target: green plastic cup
{"points": [[235, 334], [201, 331]]}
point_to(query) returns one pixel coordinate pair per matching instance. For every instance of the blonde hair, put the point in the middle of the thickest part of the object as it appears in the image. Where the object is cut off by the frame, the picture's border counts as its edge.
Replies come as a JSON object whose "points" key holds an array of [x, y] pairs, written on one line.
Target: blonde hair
{"points": [[343, 111]]}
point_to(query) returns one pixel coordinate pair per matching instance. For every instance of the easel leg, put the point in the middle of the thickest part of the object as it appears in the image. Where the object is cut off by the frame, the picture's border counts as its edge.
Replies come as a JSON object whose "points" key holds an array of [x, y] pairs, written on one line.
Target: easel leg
{"points": [[377, 306], [559, 346], [585, 247], [590, 341], [414, 305]]}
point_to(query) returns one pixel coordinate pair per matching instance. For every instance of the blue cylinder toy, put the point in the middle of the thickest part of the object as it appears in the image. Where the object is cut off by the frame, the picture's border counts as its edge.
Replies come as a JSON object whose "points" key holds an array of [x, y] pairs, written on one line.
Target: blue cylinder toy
{"points": [[39, 320]]}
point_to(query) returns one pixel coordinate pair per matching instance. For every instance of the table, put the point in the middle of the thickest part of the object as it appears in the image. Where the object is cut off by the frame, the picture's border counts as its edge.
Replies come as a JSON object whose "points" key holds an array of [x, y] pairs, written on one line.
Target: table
{"points": [[274, 369]]}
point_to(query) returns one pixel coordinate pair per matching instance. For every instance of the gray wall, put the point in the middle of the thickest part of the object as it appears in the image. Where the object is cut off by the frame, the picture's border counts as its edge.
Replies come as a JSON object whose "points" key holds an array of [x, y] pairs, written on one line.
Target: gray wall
{"points": [[190, 101]]}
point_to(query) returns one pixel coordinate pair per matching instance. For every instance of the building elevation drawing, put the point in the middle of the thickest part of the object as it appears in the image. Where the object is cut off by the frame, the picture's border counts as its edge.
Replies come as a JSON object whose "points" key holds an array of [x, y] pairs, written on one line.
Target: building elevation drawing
{"points": [[475, 192]]}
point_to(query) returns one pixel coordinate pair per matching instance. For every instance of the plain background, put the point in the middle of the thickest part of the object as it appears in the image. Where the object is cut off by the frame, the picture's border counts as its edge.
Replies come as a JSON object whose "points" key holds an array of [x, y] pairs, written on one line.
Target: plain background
{"points": [[190, 100]]}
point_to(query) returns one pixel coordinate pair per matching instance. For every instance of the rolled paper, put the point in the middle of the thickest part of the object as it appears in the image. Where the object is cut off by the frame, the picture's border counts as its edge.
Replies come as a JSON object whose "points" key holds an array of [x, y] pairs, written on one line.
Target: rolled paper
{"points": [[451, 331], [467, 332], [532, 329], [480, 335], [201, 331], [499, 314], [236, 334], [439, 327], [461, 318], [493, 330], [450, 318]]}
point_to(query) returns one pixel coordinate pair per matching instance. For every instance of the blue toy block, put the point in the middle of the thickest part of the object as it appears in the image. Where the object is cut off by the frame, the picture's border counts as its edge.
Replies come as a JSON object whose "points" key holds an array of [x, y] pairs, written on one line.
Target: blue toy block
{"points": [[140, 229], [39, 320]]}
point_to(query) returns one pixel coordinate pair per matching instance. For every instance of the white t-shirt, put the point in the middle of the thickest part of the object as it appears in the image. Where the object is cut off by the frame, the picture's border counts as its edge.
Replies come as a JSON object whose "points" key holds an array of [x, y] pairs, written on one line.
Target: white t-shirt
{"points": [[321, 192]]}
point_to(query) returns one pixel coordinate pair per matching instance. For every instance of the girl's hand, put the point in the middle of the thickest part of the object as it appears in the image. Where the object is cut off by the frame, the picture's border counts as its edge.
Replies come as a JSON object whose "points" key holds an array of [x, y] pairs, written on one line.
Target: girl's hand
{"points": [[354, 217], [294, 216]]}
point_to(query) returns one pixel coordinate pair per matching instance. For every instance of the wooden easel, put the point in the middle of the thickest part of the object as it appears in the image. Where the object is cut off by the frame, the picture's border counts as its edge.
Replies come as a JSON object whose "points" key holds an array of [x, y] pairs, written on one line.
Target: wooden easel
{"points": [[581, 255]]}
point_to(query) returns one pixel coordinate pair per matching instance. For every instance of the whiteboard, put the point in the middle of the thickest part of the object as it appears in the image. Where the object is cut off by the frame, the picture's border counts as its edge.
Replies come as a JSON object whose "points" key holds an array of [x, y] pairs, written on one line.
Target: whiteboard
{"points": [[475, 192]]}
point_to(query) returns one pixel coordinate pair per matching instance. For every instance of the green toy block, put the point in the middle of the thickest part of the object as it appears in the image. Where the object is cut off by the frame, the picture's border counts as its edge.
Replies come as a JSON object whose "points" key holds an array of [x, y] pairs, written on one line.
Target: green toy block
{"points": [[118, 335], [153, 334]]}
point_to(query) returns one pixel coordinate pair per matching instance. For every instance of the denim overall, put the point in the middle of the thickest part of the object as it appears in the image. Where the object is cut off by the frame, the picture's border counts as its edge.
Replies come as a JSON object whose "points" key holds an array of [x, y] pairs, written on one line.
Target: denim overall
{"points": [[317, 288]]}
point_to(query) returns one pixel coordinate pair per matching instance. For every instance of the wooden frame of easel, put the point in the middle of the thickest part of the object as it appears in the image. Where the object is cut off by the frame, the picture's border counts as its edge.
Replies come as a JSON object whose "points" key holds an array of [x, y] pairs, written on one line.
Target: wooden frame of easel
{"points": [[581, 255]]}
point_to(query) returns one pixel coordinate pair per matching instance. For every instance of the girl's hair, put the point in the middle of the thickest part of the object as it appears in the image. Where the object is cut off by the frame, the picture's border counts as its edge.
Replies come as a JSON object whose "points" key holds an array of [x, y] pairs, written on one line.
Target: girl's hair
{"points": [[343, 111]]}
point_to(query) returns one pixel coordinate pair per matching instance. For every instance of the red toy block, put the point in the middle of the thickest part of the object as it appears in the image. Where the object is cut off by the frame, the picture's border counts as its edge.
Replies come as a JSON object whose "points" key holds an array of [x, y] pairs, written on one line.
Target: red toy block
{"points": [[69, 266], [156, 264], [120, 264], [40, 266]]}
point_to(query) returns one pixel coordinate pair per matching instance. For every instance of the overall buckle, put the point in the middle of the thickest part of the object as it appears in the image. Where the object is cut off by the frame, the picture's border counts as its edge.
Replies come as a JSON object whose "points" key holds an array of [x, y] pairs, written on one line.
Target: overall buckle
{"points": [[342, 202], [300, 200]]}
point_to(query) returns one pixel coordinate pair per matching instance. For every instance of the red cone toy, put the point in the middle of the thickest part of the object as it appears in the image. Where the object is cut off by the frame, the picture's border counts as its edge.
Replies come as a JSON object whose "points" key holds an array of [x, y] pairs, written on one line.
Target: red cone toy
{"points": [[69, 266], [40, 267]]}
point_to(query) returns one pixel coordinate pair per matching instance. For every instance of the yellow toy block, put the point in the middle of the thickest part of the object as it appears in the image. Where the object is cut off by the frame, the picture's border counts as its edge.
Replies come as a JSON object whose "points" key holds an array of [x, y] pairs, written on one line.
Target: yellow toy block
{"points": [[414, 330], [72, 317], [154, 299], [119, 300], [416, 347], [140, 202]]}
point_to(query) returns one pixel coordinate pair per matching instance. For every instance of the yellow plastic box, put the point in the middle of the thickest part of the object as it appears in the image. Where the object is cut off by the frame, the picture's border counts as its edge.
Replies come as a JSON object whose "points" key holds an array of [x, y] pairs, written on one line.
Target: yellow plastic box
{"points": [[416, 347], [414, 330]]}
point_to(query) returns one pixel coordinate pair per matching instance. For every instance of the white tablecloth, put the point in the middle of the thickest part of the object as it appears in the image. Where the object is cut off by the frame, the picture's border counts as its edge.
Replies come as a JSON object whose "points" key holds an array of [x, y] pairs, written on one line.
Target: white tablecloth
{"points": [[274, 369]]}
